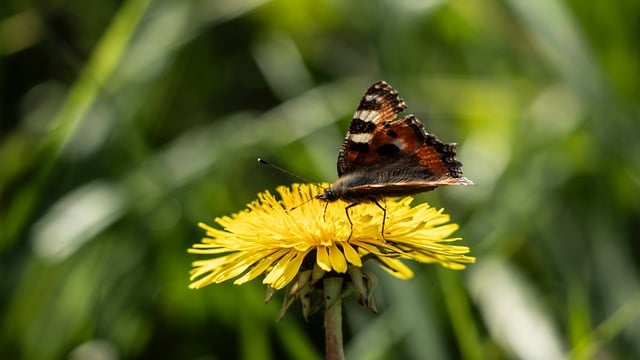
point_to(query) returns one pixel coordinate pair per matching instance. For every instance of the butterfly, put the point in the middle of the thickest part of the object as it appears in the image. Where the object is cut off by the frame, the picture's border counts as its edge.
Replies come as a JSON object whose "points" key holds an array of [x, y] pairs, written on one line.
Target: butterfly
{"points": [[385, 156]]}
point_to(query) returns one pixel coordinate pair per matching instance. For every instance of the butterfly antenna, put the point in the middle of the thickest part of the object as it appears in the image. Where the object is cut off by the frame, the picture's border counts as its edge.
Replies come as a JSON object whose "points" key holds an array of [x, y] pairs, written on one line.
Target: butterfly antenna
{"points": [[297, 206], [265, 162]]}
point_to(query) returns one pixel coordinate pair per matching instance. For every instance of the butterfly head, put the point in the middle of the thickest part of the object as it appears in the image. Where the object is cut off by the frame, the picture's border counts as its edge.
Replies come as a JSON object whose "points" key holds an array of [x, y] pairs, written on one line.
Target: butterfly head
{"points": [[329, 195]]}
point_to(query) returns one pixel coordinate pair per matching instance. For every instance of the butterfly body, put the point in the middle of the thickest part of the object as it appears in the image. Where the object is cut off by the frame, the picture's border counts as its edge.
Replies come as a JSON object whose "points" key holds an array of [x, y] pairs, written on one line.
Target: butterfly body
{"points": [[385, 156]]}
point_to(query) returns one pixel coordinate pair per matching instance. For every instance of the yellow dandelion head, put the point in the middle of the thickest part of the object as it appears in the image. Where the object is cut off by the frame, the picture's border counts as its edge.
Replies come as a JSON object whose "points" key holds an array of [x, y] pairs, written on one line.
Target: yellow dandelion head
{"points": [[282, 237]]}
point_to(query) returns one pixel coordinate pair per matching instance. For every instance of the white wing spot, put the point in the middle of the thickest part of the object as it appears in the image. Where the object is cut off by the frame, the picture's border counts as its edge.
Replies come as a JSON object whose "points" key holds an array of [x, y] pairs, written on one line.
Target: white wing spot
{"points": [[362, 138], [366, 115]]}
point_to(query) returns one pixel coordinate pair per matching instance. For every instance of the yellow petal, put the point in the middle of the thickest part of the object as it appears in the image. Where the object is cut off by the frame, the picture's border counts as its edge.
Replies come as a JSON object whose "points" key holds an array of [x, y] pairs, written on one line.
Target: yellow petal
{"points": [[338, 262], [351, 254], [286, 269], [396, 268], [322, 258]]}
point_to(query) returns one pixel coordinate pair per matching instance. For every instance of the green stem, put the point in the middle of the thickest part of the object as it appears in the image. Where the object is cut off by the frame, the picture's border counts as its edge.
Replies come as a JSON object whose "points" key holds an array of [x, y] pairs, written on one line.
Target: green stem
{"points": [[333, 318]]}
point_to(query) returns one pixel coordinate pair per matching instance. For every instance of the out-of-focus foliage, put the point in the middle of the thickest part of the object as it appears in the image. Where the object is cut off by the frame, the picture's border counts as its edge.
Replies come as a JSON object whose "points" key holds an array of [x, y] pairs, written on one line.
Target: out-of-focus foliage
{"points": [[124, 123]]}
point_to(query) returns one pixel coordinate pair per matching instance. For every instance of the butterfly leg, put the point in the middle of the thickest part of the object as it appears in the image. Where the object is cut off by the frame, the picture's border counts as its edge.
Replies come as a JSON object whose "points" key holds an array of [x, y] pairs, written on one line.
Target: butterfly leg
{"points": [[324, 213], [346, 210], [384, 216]]}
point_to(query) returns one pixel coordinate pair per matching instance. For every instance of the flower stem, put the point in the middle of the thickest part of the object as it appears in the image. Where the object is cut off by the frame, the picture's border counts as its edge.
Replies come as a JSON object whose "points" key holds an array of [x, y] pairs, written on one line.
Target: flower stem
{"points": [[333, 318]]}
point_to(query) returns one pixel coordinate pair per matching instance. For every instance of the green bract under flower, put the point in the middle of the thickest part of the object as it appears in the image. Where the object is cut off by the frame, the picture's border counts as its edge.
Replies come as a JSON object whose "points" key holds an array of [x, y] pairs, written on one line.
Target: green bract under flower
{"points": [[268, 238]]}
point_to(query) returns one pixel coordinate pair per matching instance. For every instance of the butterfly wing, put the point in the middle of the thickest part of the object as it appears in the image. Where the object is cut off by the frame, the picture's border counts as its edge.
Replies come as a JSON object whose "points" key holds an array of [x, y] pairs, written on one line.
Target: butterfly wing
{"points": [[378, 191], [385, 156], [405, 143], [380, 104], [406, 166]]}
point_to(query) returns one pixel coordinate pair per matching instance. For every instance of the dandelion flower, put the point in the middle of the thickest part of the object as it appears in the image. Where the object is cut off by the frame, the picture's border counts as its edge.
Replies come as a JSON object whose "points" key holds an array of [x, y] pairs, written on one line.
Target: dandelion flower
{"points": [[298, 238]]}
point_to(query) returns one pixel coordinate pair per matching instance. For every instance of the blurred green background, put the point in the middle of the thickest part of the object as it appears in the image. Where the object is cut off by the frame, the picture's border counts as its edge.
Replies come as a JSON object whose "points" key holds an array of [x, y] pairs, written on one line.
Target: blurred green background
{"points": [[124, 123]]}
